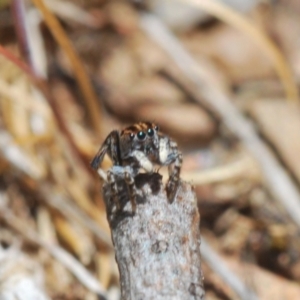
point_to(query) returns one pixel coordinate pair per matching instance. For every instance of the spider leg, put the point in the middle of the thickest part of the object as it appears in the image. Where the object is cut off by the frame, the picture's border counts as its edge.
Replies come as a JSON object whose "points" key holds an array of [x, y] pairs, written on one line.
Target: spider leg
{"points": [[143, 161], [174, 174], [132, 190], [109, 146], [102, 174], [164, 149], [168, 151], [114, 188]]}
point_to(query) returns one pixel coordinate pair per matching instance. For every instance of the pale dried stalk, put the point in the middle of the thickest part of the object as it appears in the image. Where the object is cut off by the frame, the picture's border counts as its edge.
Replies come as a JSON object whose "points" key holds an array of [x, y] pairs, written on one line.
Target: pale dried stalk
{"points": [[78, 67], [19, 159], [157, 248], [240, 22], [218, 265], [72, 212], [73, 12], [242, 168], [277, 180]]}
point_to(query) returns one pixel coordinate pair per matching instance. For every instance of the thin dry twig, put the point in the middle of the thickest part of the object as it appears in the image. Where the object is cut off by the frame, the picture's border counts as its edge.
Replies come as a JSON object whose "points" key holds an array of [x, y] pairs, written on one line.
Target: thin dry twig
{"points": [[79, 70], [242, 168], [10, 56], [44, 89], [240, 22], [217, 264], [70, 211], [71, 11], [277, 180], [24, 163], [18, 158], [10, 93], [29, 37]]}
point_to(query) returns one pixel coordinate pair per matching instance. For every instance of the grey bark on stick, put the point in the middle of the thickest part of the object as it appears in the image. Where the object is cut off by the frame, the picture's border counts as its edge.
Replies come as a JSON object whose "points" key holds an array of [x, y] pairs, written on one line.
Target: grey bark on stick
{"points": [[158, 247]]}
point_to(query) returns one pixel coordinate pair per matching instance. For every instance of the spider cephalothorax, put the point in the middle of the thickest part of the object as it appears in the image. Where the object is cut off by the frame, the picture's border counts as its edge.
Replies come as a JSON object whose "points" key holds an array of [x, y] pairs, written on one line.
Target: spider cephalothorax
{"points": [[139, 146]]}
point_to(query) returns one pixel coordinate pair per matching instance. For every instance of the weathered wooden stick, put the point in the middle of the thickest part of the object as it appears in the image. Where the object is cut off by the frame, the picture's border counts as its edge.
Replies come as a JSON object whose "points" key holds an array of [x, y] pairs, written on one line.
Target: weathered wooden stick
{"points": [[158, 247]]}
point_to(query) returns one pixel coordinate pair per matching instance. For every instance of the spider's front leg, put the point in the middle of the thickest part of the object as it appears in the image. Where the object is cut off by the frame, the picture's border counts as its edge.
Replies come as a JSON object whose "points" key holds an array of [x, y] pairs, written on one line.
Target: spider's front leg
{"points": [[174, 178], [127, 173], [111, 147], [143, 161], [131, 189], [169, 155], [111, 179]]}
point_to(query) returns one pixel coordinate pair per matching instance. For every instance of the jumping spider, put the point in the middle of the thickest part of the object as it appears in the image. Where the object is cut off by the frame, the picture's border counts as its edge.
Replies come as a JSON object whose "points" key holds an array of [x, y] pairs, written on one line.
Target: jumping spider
{"points": [[139, 146]]}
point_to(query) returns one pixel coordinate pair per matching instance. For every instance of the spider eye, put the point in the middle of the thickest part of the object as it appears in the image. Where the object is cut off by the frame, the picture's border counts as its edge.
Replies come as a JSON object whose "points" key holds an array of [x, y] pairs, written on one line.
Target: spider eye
{"points": [[156, 128], [131, 136], [150, 132], [141, 135]]}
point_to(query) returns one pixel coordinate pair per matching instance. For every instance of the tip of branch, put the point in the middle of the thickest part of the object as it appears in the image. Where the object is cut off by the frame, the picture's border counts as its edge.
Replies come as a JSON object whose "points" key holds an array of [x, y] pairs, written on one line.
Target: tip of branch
{"points": [[151, 195], [158, 246]]}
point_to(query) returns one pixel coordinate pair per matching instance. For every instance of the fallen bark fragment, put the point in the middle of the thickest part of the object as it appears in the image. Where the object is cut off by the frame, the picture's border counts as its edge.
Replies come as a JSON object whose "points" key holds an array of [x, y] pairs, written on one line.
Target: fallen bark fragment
{"points": [[158, 247]]}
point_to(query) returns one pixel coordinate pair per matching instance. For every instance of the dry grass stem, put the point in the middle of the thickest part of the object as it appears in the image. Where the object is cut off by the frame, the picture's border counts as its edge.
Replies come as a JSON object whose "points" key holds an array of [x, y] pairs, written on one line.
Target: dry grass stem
{"points": [[219, 266], [79, 70], [244, 168], [277, 179], [228, 15]]}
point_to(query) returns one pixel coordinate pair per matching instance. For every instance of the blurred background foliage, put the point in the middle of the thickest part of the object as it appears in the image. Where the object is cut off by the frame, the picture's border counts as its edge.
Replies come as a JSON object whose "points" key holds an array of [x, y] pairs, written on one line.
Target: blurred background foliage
{"points": [[72, 71]]}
